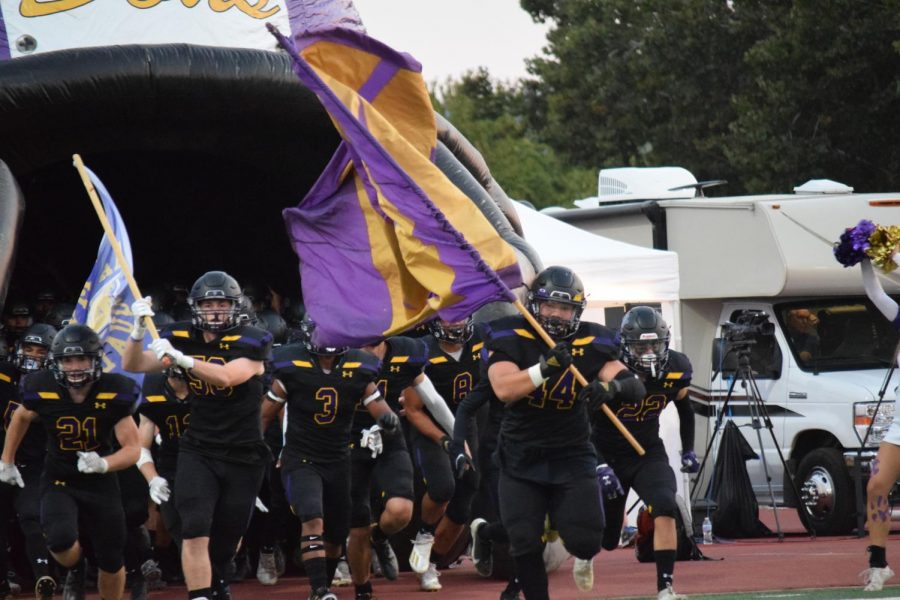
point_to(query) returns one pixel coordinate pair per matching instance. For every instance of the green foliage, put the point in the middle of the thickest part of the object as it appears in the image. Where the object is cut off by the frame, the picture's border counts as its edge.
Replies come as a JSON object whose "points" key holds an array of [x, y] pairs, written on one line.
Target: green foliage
{"points": [[491, 116], [764, 93]]}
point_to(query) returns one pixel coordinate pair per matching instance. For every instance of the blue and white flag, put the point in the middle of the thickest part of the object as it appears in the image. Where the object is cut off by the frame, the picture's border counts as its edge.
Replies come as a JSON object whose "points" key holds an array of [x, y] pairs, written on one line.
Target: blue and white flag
{"points": [[105, 301]]}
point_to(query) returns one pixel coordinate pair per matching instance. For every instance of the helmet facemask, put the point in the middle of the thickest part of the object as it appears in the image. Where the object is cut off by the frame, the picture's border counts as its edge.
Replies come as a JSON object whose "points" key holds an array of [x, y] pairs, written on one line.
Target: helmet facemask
{"points": [[647, 354], [558, 328], [459, 332], [76, 378], [214, 319], [308, 328], [28, 357]]}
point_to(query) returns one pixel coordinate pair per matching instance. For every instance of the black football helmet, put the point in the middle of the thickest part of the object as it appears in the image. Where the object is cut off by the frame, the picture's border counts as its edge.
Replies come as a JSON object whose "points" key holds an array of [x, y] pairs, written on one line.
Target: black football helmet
{"points": [[644, 340], [19, 318], [452, 333], [39, 334], [272, 322], [561, 285], [308, 327], [76, 340], [61, 315], [215, 285]]}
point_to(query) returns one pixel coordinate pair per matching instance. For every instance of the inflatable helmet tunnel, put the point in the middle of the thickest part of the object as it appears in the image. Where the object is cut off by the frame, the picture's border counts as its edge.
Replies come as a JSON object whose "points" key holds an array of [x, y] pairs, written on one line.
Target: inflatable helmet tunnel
{"points": [[201, 144]]}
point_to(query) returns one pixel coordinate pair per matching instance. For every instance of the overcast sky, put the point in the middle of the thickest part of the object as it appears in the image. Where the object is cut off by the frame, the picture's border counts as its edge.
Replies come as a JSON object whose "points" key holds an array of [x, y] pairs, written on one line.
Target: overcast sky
{"points": [[451, 37]]}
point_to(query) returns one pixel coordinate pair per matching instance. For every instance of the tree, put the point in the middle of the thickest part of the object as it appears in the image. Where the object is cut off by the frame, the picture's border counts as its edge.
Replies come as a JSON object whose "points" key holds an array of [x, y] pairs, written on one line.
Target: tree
{"points": [[764, 93], [490, 115]]}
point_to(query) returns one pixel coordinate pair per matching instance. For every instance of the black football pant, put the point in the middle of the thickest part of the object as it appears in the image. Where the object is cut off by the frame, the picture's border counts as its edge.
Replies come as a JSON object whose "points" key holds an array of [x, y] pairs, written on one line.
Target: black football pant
{"points": [[393, 478], [98, 505], [215, 499], [27, 503], [135, 503], [322, 491], [573, 506], [440, 480], [652, 479]]}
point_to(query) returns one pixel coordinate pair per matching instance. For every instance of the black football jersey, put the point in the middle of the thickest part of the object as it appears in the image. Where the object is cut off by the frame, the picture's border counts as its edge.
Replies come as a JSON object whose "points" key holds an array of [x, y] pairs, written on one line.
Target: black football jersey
{"points": [[34, 445], [224, 420], [549, 417], [454, 378], [320, 405], [9, 393], [642, 417], [72, 427], [403, 361], [171, 416]]}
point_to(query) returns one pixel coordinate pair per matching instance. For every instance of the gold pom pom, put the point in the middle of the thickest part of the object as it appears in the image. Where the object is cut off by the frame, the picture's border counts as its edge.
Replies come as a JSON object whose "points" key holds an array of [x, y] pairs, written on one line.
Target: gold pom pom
{"points": [[884, 244]]}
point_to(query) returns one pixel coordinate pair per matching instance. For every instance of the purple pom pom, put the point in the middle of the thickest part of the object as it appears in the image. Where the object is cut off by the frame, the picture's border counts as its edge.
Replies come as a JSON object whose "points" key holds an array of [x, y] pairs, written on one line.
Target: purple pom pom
{"points": [[851, 249]]}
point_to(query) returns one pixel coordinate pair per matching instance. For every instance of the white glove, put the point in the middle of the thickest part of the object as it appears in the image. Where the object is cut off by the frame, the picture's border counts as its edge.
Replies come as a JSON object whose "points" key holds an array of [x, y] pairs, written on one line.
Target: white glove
{"points": [[163, 347], [260, 506], [9, 473], [371, 439], [140, 309], [159, 489], [91, 462]]}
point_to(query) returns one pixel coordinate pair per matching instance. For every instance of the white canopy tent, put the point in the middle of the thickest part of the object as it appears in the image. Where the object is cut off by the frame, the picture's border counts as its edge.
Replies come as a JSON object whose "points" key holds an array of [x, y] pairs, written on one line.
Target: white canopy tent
{"points": [[613, 273]]}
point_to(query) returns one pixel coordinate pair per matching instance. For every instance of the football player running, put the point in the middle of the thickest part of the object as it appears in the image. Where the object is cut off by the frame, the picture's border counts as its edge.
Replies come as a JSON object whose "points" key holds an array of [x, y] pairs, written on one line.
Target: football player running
{"points": [[666, 374], [30, 356], [80, 408], [454, 368], [222, 456], [547, 462], [321, 388]]}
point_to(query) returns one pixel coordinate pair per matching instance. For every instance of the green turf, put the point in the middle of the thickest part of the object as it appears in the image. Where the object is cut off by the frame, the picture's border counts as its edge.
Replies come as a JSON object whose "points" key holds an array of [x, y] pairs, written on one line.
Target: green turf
{"points": [[892, 592]]}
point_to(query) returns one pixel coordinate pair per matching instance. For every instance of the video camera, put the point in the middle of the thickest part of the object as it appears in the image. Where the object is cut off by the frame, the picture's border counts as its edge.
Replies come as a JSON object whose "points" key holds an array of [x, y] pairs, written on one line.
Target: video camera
{"points": [[747, 325]]}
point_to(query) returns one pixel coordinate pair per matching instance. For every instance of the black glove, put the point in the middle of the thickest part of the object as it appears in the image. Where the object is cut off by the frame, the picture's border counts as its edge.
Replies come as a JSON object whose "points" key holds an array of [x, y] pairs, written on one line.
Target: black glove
{"points": [[597, 393], [389, 423], [556, 361], [459, 460]]}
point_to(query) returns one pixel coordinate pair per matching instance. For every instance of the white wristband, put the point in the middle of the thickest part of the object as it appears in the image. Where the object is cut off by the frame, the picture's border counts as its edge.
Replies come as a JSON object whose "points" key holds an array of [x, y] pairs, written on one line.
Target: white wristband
{"points": [[374, 397], [534, 371], [186, 362], [274, 397], [145, 457], [137, 333]]}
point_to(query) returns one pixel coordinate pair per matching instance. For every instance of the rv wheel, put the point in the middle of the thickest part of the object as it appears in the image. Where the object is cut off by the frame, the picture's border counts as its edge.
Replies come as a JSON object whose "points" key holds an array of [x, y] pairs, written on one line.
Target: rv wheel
{"points": [[826, 492]]}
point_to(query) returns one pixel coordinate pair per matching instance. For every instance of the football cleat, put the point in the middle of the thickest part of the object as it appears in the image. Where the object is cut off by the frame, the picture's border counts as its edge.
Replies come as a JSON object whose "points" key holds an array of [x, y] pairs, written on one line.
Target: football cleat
{"points": [[342, 575], [322, 594], [387, 559], [583, 573], [73, 589], [428, 581], [482, 554], [44, 588], [669, 594], [266, 572], [874, 578], [420, 556]]}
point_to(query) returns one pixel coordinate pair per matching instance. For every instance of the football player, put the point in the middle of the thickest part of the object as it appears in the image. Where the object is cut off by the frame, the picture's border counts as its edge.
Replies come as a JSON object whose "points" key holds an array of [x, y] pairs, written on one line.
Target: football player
{"points": [[30, 356], [222, 456], [547, 463], [321, 387], [17, 319], [79, 407], [454, 368], [666, 375], [403, 361]]}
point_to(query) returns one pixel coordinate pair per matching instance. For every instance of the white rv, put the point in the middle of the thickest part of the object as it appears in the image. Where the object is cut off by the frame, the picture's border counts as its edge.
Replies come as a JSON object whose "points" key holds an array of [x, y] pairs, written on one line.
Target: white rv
{"points": [[818, 367]]}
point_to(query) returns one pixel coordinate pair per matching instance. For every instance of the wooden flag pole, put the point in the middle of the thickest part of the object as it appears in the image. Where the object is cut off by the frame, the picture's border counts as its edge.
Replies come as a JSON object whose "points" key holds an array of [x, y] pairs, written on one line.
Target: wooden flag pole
{"points": [[113, 241], [578, 376]]}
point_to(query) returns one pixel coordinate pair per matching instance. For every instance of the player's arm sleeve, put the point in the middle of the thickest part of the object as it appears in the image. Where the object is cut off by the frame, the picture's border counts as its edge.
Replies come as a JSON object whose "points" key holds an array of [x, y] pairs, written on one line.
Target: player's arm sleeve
{"points": [[434, 403], [469, 405], [686, 420]]}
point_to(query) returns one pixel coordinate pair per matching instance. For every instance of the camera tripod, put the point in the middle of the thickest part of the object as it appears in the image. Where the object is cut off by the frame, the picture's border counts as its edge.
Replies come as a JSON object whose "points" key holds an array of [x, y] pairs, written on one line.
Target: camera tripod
{"points": [[759, 418]]}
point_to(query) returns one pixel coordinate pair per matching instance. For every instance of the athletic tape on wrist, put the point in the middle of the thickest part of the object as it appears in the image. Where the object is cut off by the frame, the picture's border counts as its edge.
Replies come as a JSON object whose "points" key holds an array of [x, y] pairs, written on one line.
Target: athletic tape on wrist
{"points": [[534, 372]]}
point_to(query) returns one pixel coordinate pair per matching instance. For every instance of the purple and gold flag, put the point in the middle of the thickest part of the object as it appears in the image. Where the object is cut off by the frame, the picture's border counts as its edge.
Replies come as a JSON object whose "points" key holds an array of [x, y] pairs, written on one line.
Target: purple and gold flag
{"points": [[385, 239]]}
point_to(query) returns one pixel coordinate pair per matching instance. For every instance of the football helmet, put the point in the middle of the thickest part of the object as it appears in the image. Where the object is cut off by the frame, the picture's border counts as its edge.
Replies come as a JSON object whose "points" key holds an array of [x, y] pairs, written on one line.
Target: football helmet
{"points": [[215, 285], [308, 327], [644, 340], [272, 322], [39, 334], [560, 285], [61, 315], [76, 340], [18, 318], [452, 333]]}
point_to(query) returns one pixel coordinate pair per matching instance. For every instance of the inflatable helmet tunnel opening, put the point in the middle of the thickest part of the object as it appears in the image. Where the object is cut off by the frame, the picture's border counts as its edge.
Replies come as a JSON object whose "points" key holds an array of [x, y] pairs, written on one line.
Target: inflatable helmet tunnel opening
{"points": [[200, 147]]}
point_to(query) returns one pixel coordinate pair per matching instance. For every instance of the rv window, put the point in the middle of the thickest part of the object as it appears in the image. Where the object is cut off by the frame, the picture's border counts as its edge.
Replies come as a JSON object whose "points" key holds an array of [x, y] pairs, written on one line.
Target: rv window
{"points": [[837, 334]]}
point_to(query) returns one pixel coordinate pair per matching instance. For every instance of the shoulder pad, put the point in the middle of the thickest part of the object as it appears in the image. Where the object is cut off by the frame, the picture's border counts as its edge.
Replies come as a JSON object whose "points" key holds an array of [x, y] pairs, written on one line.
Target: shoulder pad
{"points": [[179, 329], [8, 372], [248, 336], [117, 388], [679, 366], [292, 355], [154, 384], [40, 385], [505, 327], [405, 350], [360, 359], [599, 336]]}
